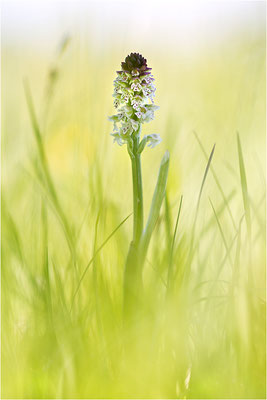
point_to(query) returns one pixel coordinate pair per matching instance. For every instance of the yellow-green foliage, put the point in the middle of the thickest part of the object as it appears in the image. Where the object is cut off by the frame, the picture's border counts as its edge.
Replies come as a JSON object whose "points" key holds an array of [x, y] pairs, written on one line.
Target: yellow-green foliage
{"points": [[204, 337]]}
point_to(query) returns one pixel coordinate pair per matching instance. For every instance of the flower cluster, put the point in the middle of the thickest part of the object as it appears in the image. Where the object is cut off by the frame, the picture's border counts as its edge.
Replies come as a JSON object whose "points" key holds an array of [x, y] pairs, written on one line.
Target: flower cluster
{"points": [[134, 91]]}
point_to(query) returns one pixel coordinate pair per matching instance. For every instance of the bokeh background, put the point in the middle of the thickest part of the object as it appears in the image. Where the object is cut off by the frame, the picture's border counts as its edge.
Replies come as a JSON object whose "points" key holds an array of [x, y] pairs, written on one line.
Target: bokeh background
{"points": [[208, 59]]}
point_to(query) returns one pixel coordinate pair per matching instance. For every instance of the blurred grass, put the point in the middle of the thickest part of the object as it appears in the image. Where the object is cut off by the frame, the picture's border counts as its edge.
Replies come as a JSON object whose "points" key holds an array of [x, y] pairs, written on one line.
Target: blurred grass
{"points": [[207, 338]]}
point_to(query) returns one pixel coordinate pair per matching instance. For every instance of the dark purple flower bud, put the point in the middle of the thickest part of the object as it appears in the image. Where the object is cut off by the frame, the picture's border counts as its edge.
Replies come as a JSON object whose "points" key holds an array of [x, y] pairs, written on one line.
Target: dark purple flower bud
{"points": [[136, 65]]}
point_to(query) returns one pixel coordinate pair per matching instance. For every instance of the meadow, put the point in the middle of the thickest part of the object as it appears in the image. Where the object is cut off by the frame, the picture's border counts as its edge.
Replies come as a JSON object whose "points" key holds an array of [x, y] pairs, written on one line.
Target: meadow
{"points": [[200, 327]]}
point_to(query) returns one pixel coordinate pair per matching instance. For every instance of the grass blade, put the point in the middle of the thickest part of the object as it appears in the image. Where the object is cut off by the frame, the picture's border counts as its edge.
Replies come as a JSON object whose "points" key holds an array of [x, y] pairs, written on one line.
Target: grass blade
{"points": [[244, 185], [203, 181], [192, 241], [222, 234], [226, 257], [45, 168], [172, 245], [94, 256], [217, 182], [167, 220]]}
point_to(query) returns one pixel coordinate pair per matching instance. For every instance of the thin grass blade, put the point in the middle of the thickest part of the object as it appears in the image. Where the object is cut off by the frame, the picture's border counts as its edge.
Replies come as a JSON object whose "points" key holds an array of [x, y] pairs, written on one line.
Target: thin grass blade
{"points": [[222, 234], [190, 255], [226, 201], [94, 256], [244, 185], [45, 168], [203, 181], [191, 249], [172, 245]]}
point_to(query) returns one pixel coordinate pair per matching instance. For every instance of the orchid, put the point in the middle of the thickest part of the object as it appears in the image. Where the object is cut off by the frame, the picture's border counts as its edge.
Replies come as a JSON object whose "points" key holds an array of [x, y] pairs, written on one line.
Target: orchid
{"points": [[133, 92]]}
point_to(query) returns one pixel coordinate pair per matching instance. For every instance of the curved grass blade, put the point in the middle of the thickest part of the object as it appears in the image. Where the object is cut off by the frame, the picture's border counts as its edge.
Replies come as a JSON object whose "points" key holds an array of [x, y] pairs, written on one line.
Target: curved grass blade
{"points": [[167, 221], [222, 234], [191, 248], [13, 236], [172, 245], [217, 182], [93, 258], [230, 247], [220, 211], [45, 168], [244, 185], [203, 182]]}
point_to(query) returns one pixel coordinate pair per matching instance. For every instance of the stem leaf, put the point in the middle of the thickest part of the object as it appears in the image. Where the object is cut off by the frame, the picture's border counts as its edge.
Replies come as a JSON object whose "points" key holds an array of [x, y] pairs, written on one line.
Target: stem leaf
{"points": [[157, 200]]}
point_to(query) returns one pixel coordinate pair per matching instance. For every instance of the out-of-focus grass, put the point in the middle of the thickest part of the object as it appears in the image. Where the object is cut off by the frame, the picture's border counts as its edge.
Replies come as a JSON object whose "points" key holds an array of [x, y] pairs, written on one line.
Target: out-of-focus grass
{"points": [[200, 330]]}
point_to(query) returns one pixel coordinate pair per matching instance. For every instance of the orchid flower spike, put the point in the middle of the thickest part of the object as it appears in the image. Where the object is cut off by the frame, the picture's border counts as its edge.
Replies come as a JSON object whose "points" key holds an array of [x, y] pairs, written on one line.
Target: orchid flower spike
{"points": [[134, 91]]}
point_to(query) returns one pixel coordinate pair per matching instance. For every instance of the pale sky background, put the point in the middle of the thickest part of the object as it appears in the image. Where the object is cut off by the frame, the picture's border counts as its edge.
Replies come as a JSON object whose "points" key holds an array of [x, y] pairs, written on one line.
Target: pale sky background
{"points": [[229, 34], [186, 24]]}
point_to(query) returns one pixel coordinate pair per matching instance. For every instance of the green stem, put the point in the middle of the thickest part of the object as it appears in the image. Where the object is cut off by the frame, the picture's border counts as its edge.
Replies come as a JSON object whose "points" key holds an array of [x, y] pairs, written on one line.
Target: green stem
{"points": [[137, 193], [132, 277]]}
